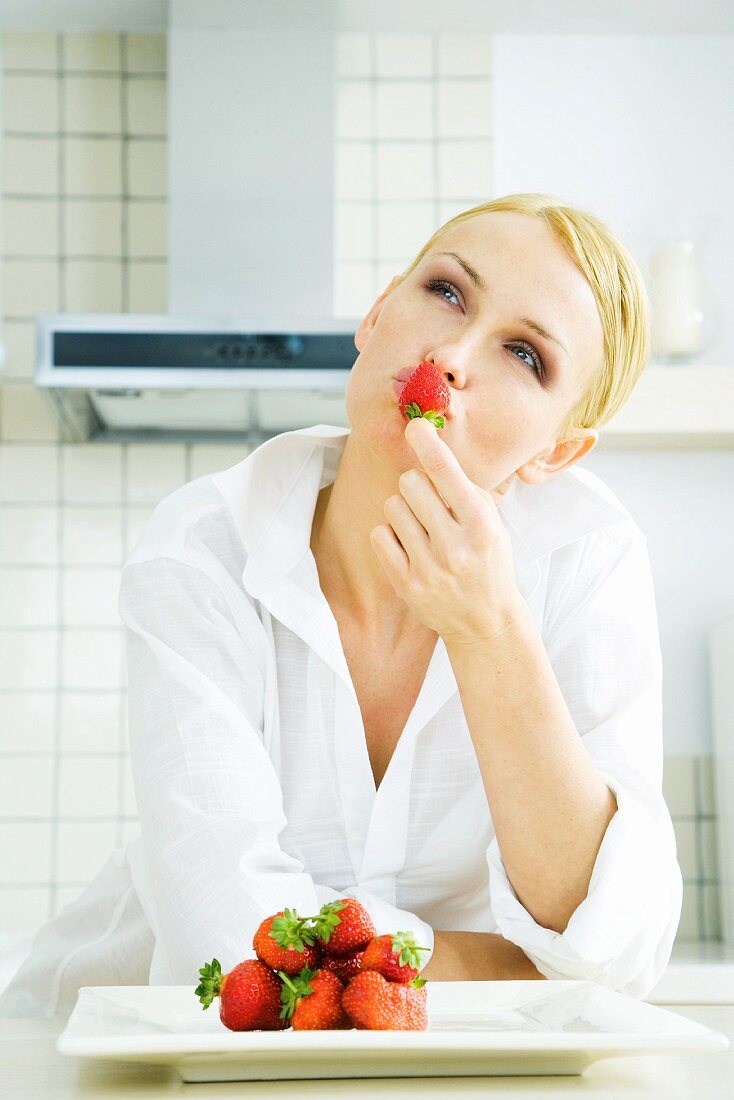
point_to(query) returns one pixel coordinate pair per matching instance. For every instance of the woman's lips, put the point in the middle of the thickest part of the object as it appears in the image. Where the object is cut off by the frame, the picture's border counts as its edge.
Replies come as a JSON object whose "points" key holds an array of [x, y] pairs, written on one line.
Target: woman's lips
{"points": [[398, 387]]}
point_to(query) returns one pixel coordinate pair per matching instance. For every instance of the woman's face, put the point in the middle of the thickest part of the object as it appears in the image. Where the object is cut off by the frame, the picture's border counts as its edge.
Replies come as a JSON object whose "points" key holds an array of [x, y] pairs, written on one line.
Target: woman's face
{"points": [[510, 387]]}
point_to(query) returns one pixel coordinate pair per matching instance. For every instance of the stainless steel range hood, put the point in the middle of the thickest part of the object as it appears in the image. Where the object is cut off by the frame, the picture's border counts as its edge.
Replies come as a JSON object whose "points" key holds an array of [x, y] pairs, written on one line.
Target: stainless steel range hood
{"points": [[146, 376]]}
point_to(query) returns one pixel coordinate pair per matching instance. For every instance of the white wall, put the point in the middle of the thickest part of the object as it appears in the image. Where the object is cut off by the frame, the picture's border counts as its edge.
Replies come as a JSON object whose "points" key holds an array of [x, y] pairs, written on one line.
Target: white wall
{"points": [[639, 129], [684, 503]]}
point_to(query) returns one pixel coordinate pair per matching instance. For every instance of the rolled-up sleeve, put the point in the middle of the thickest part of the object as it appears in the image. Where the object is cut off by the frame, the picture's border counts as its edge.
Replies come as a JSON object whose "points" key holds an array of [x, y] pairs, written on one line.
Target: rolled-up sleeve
{"points": [[604, 647], [209, 799]]}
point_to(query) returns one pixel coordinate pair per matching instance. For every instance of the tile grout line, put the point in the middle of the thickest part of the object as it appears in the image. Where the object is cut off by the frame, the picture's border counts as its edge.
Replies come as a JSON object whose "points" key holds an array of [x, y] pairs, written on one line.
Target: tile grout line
{"points": [[702, 929], [124, 494], [61, 150], [125, 180], [375, 257], [35, 258], [90, 135], [434, 125], [61, 298], [79, 196], [20, 70]]}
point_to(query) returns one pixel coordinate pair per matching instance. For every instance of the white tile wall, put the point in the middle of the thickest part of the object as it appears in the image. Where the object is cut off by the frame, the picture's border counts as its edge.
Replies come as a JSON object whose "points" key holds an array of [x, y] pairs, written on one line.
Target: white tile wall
{"points": [[36, 236], [89, 722], [146, 168], [84, 227], [413, 147], [27, 722], [403, 54], [30, 166], [28, 535], [91, 535], [93, 285], [26, 849], [92, 104], [93, 166], [92, 51], [19, 341], [30, 103]]}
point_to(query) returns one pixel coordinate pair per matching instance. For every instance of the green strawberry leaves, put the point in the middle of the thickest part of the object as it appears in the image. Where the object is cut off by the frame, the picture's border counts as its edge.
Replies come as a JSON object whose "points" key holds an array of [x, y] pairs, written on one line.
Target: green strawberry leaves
{"points": [[290, 930], [403, 943], [413, 411], [327, 920], [294, 988], [211, 983]]}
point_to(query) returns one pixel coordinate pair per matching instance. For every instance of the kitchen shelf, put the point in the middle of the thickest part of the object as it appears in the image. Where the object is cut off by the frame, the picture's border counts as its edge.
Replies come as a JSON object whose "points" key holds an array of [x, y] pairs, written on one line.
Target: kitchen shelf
{"points": [[676, 407]]}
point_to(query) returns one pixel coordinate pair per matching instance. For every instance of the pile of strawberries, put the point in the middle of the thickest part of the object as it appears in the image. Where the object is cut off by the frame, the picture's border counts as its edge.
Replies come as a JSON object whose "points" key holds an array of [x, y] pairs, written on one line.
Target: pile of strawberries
{"points": [[329, 971]]}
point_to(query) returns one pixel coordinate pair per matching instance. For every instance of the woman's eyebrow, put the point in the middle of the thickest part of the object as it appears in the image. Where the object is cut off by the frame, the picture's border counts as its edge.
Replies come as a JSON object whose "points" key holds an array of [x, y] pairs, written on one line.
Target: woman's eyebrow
{"points": [[479, 282]]}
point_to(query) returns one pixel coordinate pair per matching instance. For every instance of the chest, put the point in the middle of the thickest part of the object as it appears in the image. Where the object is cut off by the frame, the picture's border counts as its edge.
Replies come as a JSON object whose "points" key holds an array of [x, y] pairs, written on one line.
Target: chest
{"points": [[387, 688]]}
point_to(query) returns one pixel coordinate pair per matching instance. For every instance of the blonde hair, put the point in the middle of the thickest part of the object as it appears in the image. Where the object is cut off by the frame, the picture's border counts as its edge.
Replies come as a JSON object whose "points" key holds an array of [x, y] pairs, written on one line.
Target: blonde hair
{"points": [[618, 288]]}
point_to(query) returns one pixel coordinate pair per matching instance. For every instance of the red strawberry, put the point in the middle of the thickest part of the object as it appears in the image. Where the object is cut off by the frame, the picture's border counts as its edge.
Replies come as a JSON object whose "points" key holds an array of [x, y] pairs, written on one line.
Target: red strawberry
{"points": [[343, 926], [313, 1001], [249, 995], [373, 1002], [425, 394], [285, 942], [344, 966], [396, 957]]}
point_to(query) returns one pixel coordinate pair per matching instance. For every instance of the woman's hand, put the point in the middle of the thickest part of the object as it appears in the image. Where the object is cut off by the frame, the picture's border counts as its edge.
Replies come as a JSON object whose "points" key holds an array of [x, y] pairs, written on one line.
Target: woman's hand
{"points": [[445, 549], [477, 957]]}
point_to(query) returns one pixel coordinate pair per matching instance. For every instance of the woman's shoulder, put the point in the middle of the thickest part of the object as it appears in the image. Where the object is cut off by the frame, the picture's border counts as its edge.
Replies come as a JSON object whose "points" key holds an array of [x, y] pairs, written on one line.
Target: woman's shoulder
{"points": [[571, 510], [589, 491], [193, 525]]}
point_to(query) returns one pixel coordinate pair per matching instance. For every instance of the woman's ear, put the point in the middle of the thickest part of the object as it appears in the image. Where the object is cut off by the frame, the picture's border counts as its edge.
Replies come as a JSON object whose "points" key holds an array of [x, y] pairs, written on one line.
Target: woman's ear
{"points": [[369, 321], [559, 457]]}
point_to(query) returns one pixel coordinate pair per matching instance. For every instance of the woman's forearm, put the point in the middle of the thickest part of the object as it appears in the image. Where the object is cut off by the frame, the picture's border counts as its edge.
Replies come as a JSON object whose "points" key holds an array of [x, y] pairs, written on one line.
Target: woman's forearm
{"points": [[475, 957]]}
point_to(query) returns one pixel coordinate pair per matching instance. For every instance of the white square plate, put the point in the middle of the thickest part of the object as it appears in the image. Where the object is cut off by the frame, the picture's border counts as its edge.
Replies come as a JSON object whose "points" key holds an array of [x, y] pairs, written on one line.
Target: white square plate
{"points": [[474, 1029]]}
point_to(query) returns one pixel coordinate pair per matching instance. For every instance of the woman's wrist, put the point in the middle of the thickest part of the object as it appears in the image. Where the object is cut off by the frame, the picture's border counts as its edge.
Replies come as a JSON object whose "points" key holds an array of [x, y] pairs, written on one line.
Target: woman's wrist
{"points": [[477, 956]]}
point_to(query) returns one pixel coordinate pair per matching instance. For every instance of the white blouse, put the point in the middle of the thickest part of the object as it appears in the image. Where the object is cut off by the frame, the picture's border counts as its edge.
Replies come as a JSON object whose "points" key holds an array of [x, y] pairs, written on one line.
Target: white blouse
{"points": [[252, 777]]}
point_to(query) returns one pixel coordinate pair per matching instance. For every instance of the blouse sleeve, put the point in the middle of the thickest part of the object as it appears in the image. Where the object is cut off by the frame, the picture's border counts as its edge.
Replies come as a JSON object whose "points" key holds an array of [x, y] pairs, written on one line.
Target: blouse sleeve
{"points": [[209, 799], [604, 647]]}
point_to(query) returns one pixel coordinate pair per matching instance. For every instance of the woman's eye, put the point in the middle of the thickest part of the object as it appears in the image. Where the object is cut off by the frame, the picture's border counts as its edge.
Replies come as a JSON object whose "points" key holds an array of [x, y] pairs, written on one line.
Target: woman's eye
{"points": [[535, 361], [439, 286]]}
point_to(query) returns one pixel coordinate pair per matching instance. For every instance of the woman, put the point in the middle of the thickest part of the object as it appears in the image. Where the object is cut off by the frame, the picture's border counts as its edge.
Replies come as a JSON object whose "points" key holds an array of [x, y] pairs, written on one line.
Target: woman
{"points": [[437, 693]]}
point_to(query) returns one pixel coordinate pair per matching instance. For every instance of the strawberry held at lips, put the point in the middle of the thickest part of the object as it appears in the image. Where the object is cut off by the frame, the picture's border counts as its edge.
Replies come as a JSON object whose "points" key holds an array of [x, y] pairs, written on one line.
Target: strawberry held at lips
{"points": [[331, 971], [425, 394]]}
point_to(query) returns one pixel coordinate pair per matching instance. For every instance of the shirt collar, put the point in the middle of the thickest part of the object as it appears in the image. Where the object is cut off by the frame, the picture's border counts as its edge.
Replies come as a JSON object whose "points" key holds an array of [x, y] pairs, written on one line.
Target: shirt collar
{"points": [[272, 494]]}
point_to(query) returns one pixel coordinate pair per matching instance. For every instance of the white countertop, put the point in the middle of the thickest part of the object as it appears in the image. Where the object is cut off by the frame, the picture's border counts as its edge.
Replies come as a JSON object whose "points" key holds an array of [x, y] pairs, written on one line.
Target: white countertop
{"points": [[698, 973], [32, 1069]]}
